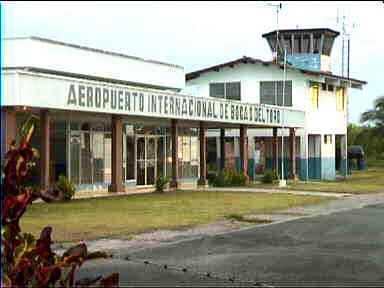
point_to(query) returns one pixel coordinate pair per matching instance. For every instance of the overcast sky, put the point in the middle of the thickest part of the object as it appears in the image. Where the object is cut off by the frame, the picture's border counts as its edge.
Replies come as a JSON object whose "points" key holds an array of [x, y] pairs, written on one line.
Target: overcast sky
{"points": [[199, 34]]}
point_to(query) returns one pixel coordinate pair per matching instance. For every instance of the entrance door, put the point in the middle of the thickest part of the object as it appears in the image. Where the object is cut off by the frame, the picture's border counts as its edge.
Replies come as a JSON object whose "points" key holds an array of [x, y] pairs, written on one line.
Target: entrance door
{"points": [[148, 159], [151, 160]]}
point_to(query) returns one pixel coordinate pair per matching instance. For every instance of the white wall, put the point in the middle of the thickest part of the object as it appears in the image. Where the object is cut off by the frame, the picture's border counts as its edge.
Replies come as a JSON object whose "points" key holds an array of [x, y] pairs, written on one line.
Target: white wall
{"points": [[31, 52], [250, 76], [325, 120]]}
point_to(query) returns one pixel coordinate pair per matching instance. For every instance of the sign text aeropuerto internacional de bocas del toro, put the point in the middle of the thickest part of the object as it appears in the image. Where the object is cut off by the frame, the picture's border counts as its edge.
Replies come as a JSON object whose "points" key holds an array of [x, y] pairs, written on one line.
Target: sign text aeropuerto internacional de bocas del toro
{"points": [[130, 101]]}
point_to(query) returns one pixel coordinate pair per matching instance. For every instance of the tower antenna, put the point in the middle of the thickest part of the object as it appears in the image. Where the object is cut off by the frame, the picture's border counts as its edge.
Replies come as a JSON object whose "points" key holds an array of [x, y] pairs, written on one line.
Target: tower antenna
{"points": [[278, 7], [346, 29]]}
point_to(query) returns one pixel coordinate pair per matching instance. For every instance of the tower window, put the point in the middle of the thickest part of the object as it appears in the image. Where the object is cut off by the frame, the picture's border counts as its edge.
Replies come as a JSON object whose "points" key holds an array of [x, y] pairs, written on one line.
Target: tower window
{"points": [[324, 87], [340, 99], [315, 97], [328, 139]]}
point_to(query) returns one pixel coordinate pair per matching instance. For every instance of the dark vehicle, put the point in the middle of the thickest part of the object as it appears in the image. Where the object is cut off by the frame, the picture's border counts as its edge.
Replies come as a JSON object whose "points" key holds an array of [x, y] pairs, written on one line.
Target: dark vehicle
{"points": [[356, 152]]}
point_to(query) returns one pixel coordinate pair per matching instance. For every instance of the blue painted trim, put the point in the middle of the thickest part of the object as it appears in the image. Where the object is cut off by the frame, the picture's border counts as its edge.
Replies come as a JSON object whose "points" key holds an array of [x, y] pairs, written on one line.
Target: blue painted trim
{"points": [[328, 168], [314, 168], [301, 168]]}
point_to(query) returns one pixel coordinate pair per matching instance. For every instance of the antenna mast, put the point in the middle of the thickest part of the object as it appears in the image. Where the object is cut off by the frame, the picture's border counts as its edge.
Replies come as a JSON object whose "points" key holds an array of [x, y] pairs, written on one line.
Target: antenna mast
{"points": [[278, 8], [345, 44]]}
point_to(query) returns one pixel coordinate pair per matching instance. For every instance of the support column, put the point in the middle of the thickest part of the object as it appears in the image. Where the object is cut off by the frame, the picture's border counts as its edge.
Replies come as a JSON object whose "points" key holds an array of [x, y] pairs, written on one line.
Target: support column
{"points": [[44, 150], [117, 155], [203, 154], [292, 153], [222, 149], [243, 151], [175, 170], [274, 151], [343, 155], [8, 131]]}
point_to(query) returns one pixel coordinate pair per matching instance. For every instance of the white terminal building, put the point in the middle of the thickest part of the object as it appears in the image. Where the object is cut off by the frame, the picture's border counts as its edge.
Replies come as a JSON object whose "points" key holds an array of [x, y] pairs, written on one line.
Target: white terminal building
{"points": [[112, 122], [310, 87]]}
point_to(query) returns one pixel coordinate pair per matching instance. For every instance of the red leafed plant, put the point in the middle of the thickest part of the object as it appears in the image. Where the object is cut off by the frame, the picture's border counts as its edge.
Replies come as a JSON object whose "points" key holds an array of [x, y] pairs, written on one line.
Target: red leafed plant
{"points": [[25, 261]]}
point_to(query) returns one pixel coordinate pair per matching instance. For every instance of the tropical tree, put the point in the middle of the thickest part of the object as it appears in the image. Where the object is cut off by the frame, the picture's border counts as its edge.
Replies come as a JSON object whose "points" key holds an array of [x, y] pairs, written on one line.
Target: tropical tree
{"points": [[375, 115]]}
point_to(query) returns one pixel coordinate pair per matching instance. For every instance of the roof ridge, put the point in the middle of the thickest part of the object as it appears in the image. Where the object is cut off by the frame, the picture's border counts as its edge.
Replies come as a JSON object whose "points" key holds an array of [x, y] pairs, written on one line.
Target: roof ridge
{"points": [[43, 39]]}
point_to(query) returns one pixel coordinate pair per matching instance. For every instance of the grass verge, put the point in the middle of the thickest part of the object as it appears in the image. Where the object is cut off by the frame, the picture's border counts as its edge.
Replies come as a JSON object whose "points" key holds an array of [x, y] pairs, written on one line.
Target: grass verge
{"points": [[123, 216], [370, 180]]}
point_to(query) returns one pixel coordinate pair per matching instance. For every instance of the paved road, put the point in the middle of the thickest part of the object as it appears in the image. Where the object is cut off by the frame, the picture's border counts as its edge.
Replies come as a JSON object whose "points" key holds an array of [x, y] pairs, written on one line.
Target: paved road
{"points": [[341, 248]]}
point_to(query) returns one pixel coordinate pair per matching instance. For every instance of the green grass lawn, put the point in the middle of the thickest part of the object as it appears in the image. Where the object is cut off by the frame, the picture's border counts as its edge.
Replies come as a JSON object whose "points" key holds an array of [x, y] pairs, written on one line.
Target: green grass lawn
{"points": [[370, 180], [123, 216]]}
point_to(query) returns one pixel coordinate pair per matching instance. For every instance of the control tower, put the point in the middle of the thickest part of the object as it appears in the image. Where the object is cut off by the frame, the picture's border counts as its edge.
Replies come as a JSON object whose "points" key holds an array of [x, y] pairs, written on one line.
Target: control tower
{"points": [[308, 49]]}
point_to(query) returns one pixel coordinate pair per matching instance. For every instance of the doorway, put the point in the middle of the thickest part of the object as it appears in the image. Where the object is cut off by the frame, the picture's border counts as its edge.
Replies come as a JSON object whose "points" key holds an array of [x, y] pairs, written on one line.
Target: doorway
{"points": [[150, 159]]}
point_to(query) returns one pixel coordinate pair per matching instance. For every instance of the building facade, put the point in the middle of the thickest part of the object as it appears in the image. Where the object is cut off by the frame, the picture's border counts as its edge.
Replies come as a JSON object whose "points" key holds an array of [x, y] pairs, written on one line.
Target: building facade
{"points": [[309, 87], [112, 122]]}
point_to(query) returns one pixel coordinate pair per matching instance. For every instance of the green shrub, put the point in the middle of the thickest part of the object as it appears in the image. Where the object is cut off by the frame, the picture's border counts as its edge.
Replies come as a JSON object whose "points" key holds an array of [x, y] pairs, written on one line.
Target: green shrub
{"points": [[227, 178], [269, 177], [160, 183], [66, 187]]}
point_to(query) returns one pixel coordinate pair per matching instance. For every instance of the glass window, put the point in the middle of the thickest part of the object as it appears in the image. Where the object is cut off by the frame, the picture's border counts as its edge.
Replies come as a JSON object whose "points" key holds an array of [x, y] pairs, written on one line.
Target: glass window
{"points": [[90, 153], [212, 154], [230, 90], [216, 90], [98, 157], [74, 125], [233, 90], [271, 92], [75, 140], [340, 99], [316, 43], [86, 158], [168, 148], [315, 97], [324, 86], [188, 156], [58, 151], [129, 157], [160, 156], [328, 139], [107, 157]]}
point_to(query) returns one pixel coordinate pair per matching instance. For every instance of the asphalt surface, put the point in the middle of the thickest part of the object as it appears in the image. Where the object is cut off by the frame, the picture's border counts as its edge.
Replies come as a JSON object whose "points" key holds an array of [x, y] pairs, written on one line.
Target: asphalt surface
{"points": [[343, 248]]}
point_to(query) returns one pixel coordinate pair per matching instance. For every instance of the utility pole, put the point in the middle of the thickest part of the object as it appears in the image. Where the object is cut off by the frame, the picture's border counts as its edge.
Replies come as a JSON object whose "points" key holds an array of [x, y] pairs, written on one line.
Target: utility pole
{"points": [[275, 56], [283, 182], [345, 69]]}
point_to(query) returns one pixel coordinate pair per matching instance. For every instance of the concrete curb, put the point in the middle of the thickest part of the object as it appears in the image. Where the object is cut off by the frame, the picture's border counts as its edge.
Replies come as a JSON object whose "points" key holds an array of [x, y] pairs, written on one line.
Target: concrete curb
{"points": [[275, 191]]}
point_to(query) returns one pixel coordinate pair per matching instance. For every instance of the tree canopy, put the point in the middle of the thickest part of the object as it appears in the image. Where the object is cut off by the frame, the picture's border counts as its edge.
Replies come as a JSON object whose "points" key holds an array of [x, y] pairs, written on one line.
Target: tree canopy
{"points": [[375, 115], [371, 134]]}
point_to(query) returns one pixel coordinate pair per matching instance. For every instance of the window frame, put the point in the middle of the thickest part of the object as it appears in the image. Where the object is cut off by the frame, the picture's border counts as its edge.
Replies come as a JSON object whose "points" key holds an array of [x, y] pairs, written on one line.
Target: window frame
{"points": [[326, 137], [312, 89], [340, 99], [278, 87], [225, 86], [216, 83]]}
